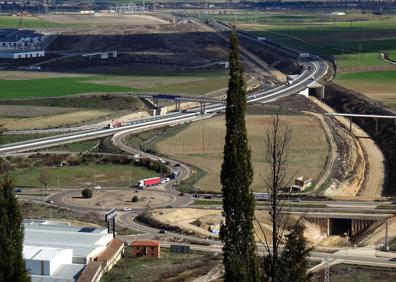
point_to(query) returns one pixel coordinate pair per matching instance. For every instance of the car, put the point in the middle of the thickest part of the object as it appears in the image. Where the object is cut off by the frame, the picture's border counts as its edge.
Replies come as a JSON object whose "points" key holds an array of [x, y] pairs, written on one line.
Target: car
{"points": [[49, 201], [97, 187], [162, 231], [163, 181], [18, 190], [177, 165], [127, 209]]}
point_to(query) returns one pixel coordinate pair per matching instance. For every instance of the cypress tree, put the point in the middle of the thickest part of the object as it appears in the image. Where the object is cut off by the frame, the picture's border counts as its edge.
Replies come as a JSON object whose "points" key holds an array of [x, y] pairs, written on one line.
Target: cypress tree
{"points": [[240, 261], [12, 265], [293, 261]]}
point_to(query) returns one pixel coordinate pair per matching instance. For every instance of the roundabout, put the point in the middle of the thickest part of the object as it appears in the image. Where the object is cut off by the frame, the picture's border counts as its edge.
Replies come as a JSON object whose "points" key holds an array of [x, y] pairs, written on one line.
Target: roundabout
{"points": [[120, 198]]}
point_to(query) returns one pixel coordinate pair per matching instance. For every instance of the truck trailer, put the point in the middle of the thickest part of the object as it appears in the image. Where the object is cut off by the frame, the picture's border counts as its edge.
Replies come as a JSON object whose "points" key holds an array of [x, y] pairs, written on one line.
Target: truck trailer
{"points": [[149, 182]]}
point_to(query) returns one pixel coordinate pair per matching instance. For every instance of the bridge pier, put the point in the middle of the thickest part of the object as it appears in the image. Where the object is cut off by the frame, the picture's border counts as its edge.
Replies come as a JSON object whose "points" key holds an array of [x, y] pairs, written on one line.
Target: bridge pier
{"points": [[203, 106], [320, 92], [317, 90], [156, 102], [177, 105]]}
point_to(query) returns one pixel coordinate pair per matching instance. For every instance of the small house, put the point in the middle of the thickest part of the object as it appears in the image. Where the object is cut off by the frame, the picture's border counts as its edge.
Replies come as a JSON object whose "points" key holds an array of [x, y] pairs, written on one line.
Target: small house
{"points": [[149, 249]]}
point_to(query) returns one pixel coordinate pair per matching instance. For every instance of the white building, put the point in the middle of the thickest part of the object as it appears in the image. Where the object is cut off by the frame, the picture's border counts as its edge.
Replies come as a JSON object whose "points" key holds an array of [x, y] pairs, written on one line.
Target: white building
{"points": [[55, 251], [20, 44]]}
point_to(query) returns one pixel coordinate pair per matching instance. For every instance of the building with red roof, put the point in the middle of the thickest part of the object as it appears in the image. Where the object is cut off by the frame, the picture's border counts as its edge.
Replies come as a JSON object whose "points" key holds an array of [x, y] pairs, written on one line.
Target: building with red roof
{"points": [[149, 249]]}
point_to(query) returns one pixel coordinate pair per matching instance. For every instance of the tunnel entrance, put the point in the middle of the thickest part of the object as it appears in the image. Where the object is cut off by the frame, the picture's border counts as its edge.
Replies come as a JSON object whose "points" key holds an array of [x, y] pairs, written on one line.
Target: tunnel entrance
{"points": [[339, 226], [312, 92]]}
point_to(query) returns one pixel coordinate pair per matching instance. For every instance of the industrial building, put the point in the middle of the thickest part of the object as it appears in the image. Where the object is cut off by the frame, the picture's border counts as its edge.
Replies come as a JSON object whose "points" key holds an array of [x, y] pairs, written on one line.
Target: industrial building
{"points": [[20, 44], [56, 251]]}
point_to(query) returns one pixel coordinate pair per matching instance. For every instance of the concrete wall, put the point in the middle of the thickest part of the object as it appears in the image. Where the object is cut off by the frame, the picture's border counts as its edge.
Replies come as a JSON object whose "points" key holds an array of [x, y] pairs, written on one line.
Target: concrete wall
{"points": [[65, 257], [317, 92], [48, 267]]}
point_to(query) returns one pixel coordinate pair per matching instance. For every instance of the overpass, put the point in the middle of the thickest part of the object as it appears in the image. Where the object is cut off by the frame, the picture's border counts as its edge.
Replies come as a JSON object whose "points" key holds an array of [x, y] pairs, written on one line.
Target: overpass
{"points": [[312, 70], [340, 223], [351, 116], [202, 100]]}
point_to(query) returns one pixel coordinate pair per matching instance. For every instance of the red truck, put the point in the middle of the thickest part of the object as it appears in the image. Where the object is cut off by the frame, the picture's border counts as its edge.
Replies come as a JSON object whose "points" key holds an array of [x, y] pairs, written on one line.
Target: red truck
{"points": [[114, 124], [149, 182]]}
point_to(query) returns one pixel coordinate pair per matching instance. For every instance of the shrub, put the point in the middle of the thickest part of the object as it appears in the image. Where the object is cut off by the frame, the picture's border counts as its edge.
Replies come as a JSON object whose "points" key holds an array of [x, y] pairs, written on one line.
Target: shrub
{"points": [[135, 199], [86, 193]]}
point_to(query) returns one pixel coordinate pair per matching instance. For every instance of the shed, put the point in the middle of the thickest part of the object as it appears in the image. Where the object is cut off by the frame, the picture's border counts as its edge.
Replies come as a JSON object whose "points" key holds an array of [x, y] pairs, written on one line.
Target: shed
{"points": [[149, 249]]}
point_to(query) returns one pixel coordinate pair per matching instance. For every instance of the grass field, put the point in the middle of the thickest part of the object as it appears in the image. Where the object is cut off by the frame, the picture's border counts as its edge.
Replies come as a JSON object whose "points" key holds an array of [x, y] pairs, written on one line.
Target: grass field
{"points": [[52, 87], [84, 176], [76, 20], [21, 111], [28, 22], [57, 120], [377, 85], [201, 145], [355, 40], [19, 85]]}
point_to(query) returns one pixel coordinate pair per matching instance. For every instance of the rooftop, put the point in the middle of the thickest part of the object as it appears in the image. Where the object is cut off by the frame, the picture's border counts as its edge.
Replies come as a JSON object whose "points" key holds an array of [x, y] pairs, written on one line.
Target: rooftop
{"points": [[66, 272], [83, 241], [40, 253], [61, 226], [145, 243]]}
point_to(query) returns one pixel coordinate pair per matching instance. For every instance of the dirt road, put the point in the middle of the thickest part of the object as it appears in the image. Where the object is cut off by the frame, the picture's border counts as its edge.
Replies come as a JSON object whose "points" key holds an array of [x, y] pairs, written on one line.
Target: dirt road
{"points": [[374, 183]]}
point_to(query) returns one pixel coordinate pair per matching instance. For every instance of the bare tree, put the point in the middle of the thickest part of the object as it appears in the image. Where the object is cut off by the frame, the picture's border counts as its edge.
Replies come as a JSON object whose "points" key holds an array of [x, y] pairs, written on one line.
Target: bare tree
{"points": [[276, 153], [278, 265], [44, 178]]}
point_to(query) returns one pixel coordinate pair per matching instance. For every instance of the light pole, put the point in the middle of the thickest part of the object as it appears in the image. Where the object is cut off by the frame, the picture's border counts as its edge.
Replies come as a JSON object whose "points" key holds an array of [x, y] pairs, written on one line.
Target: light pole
{"points": [[347, 239]]}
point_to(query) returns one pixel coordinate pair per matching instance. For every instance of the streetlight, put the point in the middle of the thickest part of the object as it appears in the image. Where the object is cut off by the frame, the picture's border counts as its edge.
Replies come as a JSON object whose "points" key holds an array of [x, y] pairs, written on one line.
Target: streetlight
{"points": [[347, 239]]}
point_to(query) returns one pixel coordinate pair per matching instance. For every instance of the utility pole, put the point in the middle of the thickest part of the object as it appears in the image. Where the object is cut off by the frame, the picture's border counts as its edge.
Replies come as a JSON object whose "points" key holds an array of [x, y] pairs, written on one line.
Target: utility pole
{"points": [[327, 271], [386, 247]]}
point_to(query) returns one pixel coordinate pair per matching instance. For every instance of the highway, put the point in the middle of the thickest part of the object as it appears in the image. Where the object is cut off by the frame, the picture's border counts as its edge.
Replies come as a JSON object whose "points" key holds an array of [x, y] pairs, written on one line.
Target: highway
{"points": [[312, 71], [316, 69]]}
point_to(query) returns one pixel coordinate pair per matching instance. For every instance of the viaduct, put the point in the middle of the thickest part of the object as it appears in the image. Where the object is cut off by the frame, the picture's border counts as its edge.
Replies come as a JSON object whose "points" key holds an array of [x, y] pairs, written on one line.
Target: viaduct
{"points": [[341, 223]]}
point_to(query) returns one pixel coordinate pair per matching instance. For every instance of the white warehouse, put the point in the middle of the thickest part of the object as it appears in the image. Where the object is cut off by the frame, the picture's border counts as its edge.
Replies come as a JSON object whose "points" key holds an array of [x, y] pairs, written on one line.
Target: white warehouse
{"points": [[20, 44], [58, 252]]}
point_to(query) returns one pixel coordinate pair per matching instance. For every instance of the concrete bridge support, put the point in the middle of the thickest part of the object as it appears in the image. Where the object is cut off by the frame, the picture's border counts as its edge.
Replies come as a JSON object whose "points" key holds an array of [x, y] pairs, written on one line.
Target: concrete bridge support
{"points": [[203, 106], [323, 223], [340, 226], [359, 225], [317, 91], [177, 105]]}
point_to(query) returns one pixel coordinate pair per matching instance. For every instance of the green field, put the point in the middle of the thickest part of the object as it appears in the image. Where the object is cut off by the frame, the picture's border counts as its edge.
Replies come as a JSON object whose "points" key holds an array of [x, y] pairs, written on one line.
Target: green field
{"points": [[377, 85], [106, 175], [28, 22], [354, 40], [348, 36], [50, 87], [187, 83]]}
